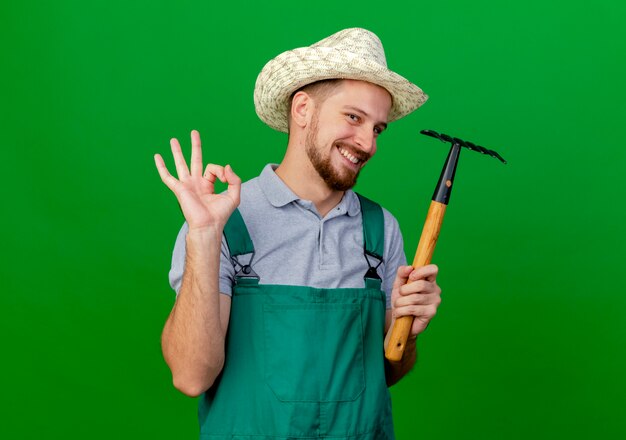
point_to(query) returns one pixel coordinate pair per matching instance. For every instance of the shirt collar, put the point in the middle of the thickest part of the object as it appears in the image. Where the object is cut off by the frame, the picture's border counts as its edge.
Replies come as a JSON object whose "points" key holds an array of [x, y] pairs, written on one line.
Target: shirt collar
{"points": [[279, 194], [351, 200], [274, 188]]}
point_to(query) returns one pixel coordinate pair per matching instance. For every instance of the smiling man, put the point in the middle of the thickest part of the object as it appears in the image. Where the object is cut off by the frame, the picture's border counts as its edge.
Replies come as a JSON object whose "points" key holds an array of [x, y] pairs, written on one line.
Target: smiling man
{"points": [[287, 284]]}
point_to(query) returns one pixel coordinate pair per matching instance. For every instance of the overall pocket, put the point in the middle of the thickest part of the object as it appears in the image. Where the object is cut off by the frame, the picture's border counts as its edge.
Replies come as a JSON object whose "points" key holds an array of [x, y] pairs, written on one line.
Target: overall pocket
{"points": [[314, 351]]}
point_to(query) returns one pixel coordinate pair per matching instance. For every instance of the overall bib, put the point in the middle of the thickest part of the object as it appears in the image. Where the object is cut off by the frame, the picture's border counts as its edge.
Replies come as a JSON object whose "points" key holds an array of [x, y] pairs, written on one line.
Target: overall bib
{"points": [[302, 362]]}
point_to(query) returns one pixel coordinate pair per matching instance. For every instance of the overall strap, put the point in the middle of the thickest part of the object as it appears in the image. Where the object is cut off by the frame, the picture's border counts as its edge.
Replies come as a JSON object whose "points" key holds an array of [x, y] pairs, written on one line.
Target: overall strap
{"points": [[373, 238], [239, 243]]}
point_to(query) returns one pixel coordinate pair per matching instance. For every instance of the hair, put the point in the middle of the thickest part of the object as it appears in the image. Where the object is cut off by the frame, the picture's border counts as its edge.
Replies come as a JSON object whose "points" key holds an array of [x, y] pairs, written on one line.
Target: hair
{"points": [[318, 90]]}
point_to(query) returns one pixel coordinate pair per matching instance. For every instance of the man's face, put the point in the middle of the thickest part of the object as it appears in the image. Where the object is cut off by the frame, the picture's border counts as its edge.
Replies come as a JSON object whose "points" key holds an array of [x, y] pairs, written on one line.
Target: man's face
{"points": [[342, 134]]}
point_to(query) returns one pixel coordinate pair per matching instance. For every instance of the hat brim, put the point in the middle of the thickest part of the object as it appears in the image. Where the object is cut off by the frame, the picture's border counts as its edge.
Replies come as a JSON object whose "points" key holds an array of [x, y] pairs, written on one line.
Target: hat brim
{"points": [[294, 69]]}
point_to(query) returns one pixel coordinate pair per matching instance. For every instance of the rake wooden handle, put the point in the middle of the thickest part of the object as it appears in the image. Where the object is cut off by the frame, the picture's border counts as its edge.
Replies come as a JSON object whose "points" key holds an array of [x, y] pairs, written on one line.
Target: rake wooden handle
{"points": [[425, 248]]}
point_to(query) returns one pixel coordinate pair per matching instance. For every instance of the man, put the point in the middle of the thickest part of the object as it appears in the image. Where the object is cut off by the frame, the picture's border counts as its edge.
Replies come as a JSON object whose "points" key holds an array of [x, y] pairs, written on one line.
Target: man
{"points": [[286, 284]]}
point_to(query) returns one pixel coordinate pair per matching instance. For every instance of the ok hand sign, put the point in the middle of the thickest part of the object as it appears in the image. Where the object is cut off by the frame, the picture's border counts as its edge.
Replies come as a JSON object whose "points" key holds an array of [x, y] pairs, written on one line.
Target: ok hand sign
{"points": [[195, 191]]}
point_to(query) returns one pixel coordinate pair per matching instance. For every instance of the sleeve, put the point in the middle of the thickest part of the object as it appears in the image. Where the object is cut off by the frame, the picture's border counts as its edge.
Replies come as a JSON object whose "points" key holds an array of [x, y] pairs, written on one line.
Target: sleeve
{"points": [[394, 253], [227, 271], [178, 259]]}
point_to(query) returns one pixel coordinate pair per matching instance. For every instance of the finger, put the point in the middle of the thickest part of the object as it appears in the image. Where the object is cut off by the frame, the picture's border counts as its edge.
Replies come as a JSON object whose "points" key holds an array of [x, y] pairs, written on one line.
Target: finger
{"points": [[402, 276], [423, 312], [166, 177], [234, 184], [420, 287], [428, 273], [417, 299], [196, 154], [179, 159], [213, 172], [412, 287]]}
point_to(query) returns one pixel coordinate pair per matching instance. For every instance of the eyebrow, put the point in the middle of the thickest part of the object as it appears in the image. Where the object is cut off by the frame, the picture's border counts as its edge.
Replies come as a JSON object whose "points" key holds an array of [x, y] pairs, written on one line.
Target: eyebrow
{"points": [[364, 113]]}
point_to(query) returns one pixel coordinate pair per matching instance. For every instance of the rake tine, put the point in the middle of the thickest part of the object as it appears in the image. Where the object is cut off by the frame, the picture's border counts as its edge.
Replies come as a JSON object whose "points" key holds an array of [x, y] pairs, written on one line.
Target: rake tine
{"points": [[497, 156], [472, 146], [432, 133], [446, 138]]}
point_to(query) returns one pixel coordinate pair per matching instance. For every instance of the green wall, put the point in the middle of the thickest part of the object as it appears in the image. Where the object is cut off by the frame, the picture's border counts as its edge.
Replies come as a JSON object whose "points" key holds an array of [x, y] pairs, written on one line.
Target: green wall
{"points": [[530, 340]]}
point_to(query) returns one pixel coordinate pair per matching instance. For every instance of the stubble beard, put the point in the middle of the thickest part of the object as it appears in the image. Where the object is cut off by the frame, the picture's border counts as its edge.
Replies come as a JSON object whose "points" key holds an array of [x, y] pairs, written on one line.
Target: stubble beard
{"points": [[335, 179]]}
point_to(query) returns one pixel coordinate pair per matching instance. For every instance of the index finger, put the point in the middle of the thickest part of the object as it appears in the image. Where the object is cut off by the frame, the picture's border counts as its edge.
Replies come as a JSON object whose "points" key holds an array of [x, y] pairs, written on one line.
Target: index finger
{"points": [[196, 154], [402, 276], [428, 273]]}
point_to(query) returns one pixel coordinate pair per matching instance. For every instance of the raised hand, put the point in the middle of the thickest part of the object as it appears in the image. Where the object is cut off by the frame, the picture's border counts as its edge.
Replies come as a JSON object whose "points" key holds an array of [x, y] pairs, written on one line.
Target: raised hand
{"points": [[195, 191]]}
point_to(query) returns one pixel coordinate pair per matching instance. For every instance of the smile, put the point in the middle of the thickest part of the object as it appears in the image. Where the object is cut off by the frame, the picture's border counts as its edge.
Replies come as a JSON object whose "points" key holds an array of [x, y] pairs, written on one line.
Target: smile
{"points": [[348, 156]]}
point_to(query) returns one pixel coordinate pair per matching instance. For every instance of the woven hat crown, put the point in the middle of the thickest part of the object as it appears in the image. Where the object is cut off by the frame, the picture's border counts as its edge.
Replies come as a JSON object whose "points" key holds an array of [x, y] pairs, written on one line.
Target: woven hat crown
{"points": [[357, 41]]}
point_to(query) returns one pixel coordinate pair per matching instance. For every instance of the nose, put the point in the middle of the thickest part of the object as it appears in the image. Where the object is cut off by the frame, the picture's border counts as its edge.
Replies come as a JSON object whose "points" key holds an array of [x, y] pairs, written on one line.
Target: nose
{"points": [[365, 139]]}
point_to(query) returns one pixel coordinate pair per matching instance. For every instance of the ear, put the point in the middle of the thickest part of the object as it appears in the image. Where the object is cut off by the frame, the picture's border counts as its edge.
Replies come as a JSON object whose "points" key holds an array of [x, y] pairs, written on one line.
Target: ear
{"points": [[301, 109]]}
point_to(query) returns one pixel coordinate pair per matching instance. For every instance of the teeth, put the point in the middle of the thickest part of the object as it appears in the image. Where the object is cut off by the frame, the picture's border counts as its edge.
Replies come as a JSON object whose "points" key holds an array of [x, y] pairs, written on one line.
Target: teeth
{"points": [[348, 156]]}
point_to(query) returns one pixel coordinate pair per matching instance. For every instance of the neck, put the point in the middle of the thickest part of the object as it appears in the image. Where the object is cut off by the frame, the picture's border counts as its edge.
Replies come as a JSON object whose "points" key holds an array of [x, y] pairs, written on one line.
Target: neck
{"points": [[301, 177]]}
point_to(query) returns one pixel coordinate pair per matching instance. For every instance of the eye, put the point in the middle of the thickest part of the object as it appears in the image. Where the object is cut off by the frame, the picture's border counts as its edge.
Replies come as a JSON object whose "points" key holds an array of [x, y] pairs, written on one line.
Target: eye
{"points": [[354, 117], [378, 130]]}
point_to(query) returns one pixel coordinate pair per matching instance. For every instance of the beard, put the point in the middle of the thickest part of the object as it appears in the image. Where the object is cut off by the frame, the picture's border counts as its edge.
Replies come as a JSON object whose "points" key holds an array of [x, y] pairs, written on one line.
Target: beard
{"points": [[337, 179]]}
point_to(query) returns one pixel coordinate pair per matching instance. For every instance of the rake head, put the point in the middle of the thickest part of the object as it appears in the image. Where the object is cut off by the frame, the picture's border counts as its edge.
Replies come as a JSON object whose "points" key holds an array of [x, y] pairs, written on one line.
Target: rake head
{"points": [[469, 145]]}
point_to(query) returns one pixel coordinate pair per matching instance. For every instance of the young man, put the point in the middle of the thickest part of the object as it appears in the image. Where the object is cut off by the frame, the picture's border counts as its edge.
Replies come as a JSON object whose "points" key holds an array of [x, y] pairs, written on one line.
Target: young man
{"points": [[286, 284]]}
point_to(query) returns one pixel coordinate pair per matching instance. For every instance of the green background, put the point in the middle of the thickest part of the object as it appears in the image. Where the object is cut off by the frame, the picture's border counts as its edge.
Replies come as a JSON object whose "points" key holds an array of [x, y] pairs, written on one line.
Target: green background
{"points": [[530, 340]]}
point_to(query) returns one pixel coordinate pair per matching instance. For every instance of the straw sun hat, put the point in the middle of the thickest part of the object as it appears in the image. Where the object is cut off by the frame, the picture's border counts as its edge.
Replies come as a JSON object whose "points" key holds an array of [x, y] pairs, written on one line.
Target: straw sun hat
{"points": [[349, 54]]}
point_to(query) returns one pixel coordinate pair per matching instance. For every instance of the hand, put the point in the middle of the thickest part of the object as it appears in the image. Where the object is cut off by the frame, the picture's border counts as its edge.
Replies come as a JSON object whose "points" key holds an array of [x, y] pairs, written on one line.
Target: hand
{"points": [[195, 192], [419, 298]]}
